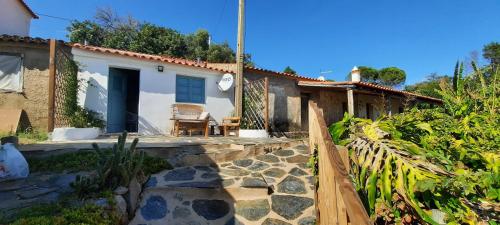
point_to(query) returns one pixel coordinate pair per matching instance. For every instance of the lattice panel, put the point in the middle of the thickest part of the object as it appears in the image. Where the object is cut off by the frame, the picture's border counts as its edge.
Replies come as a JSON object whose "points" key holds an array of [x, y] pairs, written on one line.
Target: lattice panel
{"points": [[254, 105], [65, 69]]}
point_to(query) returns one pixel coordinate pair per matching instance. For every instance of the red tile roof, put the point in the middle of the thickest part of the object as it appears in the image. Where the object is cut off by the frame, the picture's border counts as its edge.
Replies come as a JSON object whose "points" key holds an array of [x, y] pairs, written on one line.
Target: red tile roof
{"points": [[15, 38], [28, 8], [341, 84], [179, 61]]}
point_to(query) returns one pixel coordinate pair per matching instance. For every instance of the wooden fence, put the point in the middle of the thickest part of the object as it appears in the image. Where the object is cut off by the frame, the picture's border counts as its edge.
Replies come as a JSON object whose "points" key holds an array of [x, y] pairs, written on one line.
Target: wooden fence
{"points": [[337, 202]]}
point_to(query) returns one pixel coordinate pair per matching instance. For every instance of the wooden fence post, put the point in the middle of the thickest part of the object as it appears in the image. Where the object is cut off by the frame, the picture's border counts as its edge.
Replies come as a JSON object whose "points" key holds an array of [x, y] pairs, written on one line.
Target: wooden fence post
{"points": [[52, 84], [266, 99]]}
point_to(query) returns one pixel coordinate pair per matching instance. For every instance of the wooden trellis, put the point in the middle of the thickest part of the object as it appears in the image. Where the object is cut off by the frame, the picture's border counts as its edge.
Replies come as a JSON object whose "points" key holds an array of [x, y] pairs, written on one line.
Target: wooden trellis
{"points": [[61, 70], [256, 105]]}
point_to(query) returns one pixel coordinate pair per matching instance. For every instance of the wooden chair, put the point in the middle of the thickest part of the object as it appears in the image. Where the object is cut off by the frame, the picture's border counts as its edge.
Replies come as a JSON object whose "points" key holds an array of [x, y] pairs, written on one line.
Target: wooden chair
{"points": [[191, 118], [230, 123]]}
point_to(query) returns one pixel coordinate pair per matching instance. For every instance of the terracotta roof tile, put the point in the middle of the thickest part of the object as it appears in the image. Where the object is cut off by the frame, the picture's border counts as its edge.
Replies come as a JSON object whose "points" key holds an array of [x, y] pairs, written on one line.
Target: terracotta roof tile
{"points": [[15, 38], [366, 85]]}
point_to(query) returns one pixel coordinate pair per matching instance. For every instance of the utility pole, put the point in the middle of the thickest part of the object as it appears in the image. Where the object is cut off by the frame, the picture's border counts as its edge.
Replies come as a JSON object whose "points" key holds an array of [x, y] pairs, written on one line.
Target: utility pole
{"points": [[238, 95]]}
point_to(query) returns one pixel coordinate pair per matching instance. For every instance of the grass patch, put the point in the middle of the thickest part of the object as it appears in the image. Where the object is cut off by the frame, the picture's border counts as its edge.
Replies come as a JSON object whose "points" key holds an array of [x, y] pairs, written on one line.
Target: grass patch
{"points": [[29, 136], [87, 160]]}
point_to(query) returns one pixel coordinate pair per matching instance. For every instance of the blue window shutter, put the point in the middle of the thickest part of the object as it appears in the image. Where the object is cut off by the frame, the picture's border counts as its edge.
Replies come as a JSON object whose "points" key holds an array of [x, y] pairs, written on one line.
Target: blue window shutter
{"points": [[190, 89]]}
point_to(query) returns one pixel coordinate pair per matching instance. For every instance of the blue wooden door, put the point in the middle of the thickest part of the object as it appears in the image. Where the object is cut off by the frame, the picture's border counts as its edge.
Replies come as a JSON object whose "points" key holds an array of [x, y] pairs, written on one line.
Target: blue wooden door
{"points": [[117, 96]]}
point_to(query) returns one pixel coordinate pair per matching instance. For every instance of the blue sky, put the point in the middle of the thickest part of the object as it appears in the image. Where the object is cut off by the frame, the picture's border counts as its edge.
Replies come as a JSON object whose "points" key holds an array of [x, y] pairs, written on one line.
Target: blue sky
{"points": [[421, 37]]}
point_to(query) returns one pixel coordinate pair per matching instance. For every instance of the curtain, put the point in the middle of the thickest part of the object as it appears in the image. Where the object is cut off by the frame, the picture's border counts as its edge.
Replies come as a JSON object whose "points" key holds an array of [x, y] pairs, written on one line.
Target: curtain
{"points": [[11, 78]]}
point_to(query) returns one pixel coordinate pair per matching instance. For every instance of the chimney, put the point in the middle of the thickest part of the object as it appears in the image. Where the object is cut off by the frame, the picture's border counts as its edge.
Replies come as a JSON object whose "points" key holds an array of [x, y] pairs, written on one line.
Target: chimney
{"points": [[355, 74]]}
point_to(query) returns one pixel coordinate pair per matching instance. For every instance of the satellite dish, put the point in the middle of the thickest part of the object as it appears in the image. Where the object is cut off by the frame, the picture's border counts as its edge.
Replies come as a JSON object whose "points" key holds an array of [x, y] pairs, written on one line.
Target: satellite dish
{"points": [[226, 82]]}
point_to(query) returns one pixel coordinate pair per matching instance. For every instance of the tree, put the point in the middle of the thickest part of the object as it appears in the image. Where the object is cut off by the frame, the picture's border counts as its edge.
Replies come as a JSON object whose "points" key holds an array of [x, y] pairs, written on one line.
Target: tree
{"points": [[392, 76], [491, 52], [289, 70], [112, 31], [368, 74], [430, 86]]}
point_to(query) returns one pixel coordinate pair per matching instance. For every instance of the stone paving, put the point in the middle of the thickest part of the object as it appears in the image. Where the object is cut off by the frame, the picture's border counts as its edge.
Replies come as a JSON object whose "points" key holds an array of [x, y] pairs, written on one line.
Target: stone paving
{"points": [[269, 189]]}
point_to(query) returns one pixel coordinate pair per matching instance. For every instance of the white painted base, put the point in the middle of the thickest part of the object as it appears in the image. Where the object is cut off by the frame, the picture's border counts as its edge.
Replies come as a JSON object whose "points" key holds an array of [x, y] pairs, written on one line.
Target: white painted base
{"points": [[254, 134], [71, 133]]}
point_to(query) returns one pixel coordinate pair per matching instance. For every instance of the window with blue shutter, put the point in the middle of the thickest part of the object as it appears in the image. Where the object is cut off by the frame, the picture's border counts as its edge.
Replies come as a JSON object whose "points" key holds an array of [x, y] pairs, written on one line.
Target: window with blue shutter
{"points": [[189, 89]]}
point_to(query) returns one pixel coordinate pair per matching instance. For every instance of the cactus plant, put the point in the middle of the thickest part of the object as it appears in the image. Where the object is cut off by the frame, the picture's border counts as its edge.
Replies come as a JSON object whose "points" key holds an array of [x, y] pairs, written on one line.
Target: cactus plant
{"points": [[113, 170]]}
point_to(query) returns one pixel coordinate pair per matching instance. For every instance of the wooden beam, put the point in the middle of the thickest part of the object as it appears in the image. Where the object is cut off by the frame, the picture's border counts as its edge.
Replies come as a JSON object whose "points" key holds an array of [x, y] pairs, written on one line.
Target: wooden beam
{"points": [[350, 102], [52, 85]]}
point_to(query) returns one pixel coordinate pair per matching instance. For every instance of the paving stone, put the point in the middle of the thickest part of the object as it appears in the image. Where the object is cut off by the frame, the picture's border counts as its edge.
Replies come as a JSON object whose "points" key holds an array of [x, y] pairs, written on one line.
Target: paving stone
{"points": [[253, 182], [303, 165], [155, 208], [292, 185], [235, 172], [180, 174], [298, 159], [274, 172], [152, 182], [243, 162], [252, 209], [258, 166], [181, 212], [186, 203], [31, 193], [210, 209], [268, 158], [225, 164], [304, 149], [204, 168], [233, 221], [310, 220], [290, 207], [279, 164], [233, 167], [199, 184], [284, 152], [310, 180], [210, 175], [271, 221], [297, 172]]}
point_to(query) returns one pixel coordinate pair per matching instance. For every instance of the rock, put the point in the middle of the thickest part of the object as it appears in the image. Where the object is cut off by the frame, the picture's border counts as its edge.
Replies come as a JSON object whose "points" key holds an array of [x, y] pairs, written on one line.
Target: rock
{"points": [[152, 182], [268, 158], [258, 166], [204, 168], [252, 210], [228, 182], [101, 202], [210, 209], [179, 197], [121, 190], [310, 220], [303, 165], [274, 172], [290, 207], [271, 221], [133, 194], [180, 174], [156, 208], [253, 182], [121, 209], [186, 203], [199, 184], [181, 212], [297, 172], [236, 172], [13, 185], [243, 162], [284, 152], [292, 185], [298, 159]]}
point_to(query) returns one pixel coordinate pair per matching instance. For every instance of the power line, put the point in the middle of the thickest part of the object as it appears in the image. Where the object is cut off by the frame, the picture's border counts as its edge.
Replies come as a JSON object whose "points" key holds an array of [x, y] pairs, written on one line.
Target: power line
{"points": [[56, 17]]}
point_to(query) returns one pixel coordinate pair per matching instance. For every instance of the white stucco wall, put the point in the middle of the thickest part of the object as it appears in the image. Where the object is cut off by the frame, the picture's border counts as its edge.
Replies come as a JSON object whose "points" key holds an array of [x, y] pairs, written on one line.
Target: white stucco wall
{"points": [[14, 19], [157, 89]]}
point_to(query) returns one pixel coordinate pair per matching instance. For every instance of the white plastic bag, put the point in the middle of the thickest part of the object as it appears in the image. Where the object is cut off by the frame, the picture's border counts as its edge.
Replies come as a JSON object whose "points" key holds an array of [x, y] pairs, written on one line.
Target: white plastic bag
{"points": [[12, 163]]}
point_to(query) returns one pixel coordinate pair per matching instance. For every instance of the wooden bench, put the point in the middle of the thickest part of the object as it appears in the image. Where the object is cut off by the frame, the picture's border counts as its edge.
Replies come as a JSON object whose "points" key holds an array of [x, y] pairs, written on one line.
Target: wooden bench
{"points": [[230, 123], [191, 118]]}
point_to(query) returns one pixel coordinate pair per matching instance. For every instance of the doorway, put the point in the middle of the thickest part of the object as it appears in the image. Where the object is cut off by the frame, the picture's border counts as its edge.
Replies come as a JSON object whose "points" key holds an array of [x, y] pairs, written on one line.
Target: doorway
{"points": [[123, 100], [304, 110]]}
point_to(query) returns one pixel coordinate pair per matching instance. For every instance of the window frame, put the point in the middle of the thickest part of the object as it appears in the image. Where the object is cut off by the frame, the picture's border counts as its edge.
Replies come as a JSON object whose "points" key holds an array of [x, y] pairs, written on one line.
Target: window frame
{"points": [[190, 97]]}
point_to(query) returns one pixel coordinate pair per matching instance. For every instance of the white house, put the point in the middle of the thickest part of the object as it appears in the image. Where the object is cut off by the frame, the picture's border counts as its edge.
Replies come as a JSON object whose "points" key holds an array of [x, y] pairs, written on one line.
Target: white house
{"points": [[15, 18], [136, 91]]}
